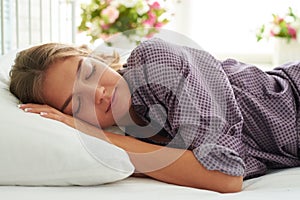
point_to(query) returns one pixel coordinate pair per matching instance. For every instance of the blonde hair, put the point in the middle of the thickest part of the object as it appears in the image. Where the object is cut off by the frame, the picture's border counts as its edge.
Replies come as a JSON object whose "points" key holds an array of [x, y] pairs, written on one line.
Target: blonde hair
{"points": [[27, 73]]}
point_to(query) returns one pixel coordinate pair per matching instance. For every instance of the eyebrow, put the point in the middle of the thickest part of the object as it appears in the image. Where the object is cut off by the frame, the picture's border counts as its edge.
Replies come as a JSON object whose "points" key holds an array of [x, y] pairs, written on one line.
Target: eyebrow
{"points": [[68, 100]]}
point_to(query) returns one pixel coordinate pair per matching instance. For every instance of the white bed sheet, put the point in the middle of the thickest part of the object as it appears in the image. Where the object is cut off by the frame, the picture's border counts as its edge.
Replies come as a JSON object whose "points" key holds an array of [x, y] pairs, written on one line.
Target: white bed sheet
{"points": [[281, 184]]}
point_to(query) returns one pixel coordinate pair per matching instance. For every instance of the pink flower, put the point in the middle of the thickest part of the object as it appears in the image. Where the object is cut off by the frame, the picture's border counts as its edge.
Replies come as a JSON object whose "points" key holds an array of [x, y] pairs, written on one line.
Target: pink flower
{"points": [[155, 5], [103, 25], [292, 32], [110, 14], [151, 19], [158, 25], [272, 33]]}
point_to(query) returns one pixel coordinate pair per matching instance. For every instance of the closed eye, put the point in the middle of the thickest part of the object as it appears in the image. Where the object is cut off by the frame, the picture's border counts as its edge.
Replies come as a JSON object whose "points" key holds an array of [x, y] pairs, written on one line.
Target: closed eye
{"points": [[91, 73], [78, 106]]}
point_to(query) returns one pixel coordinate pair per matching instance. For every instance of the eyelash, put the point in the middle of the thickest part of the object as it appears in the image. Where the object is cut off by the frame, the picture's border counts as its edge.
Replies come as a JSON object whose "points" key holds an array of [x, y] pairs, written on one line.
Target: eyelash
{"points": [[93, 71], [79, 105], [78, 98]]}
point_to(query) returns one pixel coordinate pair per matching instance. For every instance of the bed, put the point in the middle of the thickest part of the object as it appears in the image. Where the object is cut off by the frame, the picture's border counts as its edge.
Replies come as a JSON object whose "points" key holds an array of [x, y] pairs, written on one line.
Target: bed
{"points": [[276, 185], [284, 184], [75, 168]]}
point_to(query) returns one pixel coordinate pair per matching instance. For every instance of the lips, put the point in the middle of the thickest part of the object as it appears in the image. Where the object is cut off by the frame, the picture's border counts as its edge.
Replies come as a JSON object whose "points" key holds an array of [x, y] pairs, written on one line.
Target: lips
{"points": [[111, 100]]}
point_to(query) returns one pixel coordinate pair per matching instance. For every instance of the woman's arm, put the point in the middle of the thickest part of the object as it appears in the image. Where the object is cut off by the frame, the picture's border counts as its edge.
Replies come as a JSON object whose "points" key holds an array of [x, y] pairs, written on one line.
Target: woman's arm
{"points": [[171, 165], [185, 170]]}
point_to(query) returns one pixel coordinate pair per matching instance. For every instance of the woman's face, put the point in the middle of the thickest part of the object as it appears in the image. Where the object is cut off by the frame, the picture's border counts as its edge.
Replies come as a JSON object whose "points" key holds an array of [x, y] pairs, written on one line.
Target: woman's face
{"points": [[87, 89]]}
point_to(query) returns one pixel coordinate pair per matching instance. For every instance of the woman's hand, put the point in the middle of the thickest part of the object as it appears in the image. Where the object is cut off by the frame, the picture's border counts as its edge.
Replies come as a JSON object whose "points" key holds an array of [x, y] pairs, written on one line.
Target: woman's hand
{"points": [[52, 113], [48, 112]]}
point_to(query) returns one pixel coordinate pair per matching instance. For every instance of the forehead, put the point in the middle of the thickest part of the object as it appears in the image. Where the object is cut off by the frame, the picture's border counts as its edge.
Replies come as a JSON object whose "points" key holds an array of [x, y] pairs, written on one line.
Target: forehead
{"points": [[59, 80]]}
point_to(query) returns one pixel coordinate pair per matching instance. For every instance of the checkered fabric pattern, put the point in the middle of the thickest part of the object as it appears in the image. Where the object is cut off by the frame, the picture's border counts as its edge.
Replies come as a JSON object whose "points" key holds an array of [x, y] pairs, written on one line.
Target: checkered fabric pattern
{"points": [[235, 118]]}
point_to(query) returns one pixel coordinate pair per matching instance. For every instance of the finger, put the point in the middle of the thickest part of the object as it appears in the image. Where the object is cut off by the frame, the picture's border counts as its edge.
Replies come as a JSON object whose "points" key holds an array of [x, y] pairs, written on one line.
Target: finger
{"points": [[37, 110], [61, 118], [40, 108], [51, 116], [31, 105], [48, 112]]}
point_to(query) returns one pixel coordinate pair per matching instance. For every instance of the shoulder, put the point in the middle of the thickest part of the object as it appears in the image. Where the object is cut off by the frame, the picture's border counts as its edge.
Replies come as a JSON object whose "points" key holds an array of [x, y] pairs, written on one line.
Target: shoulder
{"points": [[154, 48], [156, 43]]}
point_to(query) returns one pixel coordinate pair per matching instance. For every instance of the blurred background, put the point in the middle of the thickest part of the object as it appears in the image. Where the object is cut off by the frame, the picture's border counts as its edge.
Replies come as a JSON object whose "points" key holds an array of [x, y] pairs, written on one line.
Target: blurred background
{"points": [[224, 28]]}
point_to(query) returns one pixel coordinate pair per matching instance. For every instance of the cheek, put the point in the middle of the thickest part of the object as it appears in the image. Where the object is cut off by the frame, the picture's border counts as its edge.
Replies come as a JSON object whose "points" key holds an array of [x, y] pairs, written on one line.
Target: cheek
{"points": [[94, 115], [88, 114], [104, 120], [122, 101]]}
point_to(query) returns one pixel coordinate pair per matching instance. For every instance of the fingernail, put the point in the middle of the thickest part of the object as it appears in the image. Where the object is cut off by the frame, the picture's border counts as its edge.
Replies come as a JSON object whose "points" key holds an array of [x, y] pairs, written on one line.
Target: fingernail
{"points": [[20, 105], [43, 113], [27, 109]]}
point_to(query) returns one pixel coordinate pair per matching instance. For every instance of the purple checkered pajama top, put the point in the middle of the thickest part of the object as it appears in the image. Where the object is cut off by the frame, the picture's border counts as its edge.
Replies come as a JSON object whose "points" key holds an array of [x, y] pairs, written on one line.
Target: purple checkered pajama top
{"points": [[234, 117]]}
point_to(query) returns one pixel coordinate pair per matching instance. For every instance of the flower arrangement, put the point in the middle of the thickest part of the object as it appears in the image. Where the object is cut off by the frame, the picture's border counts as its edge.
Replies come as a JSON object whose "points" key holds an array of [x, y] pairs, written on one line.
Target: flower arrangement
{"points": [[133, 18], [286, 27]]}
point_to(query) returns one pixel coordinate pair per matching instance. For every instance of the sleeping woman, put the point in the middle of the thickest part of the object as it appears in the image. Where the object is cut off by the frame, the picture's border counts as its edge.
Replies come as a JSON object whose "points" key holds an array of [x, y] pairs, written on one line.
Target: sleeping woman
{"points": [[189, 118]]}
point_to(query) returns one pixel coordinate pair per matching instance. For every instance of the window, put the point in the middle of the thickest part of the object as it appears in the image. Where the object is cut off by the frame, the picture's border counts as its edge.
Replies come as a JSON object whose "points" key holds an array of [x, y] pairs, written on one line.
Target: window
{"points": [[30, 22]]}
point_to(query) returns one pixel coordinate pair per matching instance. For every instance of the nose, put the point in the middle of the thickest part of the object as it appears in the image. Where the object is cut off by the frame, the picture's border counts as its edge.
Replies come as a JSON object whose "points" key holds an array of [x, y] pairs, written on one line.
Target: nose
{"points": [[93, 93], [100, 95]]}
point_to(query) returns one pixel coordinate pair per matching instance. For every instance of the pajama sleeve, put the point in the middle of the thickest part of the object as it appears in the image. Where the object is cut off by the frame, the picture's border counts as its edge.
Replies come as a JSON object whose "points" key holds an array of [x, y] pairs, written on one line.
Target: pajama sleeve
{"points": [[196, 110]]}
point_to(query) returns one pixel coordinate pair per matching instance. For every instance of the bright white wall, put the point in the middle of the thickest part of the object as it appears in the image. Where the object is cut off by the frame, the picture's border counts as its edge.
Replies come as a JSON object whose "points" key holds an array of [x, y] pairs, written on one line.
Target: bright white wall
{"points": [[227, 28]]}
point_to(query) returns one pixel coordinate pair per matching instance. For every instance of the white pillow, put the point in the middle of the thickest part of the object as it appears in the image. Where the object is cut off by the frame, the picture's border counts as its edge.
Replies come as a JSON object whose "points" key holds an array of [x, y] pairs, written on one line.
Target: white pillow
{"points": [[39, 151]]}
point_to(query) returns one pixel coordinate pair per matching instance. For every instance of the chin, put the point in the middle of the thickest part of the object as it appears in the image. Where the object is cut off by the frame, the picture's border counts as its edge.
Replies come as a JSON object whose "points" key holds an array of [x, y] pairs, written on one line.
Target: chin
{"points": [[106, 123]]}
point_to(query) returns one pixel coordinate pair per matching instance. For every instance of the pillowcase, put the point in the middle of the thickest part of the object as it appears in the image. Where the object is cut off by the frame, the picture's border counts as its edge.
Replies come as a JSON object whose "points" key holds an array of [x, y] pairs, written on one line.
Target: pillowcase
{"points": [[39, 151]]}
